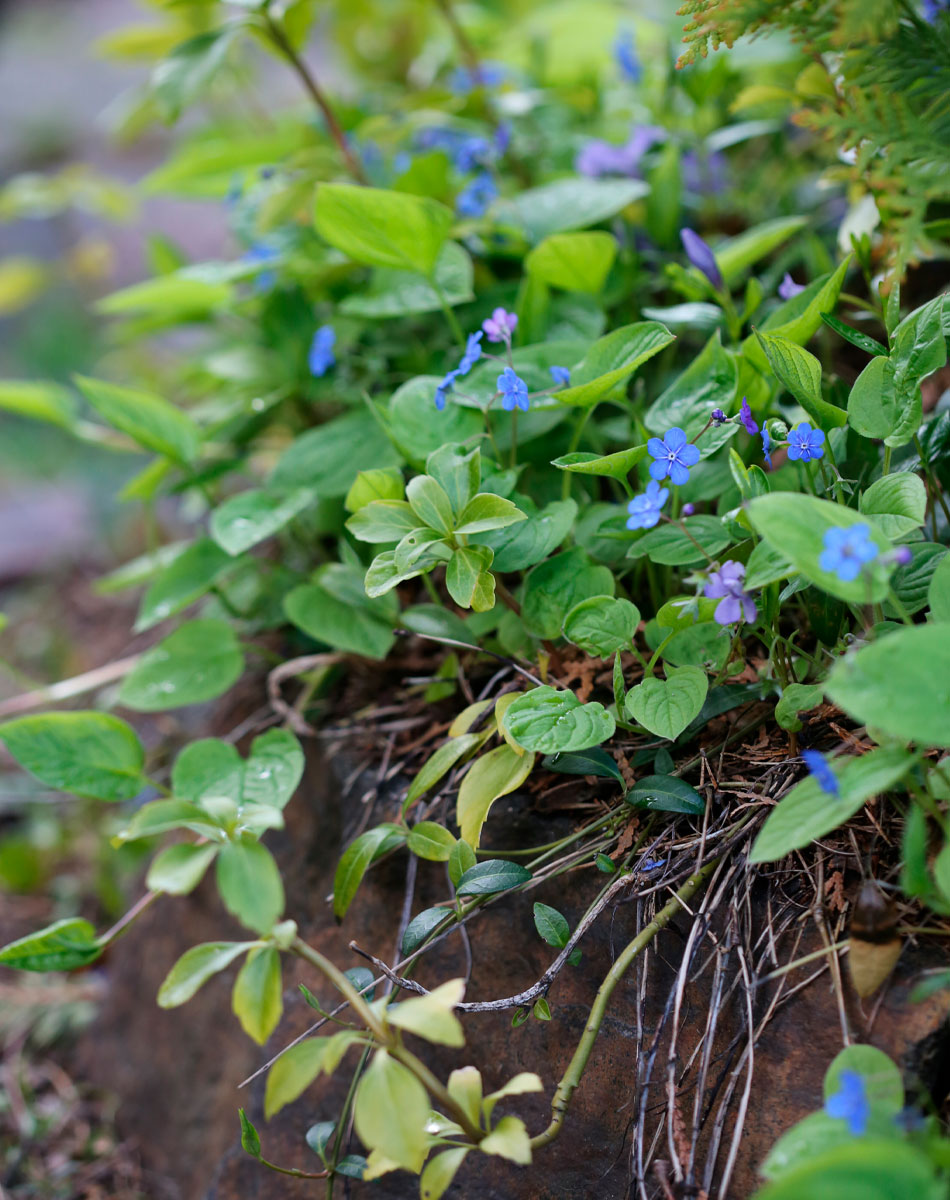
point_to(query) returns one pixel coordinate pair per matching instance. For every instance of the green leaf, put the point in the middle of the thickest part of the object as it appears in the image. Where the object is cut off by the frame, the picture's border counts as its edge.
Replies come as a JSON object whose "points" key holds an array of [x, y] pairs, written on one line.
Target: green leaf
{"points": [[531, 541], [795, 525], [911, 582], [250, 1141], [439, 1172], [318, 1137], [293, 1073], [815, 1135], [458, 471], [335, 609], [898, 503], [430, 840], [612, 360], [683, 612], [736, 255], [180, 584], [555, 586], [431, 1017], [180, 296], [868, 344], [861, 1169], [431, 504], [179, 869], [273, 769], [421, 926], [666, 707], [384, 484], [357, 858], [39, 399], [899, 684], [391, 1112], [883, 1084], [418, 428], [461, 859], [181, 77], [382, 228], [612, 466], [551, 925], [62, 946], [485, 512], [195, 968], [468, 579], [796, 698], [568, 204], [602, 625], [250, 517], [577, 262], [708, 382], [439, 765], [593, 761], [490, 876], [808, 812], [548, 720], [874, 407], [257, 999], [87, 753], [495, 774], [329, 457], [250, 885], [665, 793], [668, 544], [208, 767], [766, 565], [798, 318], [161, 816], [509, 1139], [146, 418], [800, 372], [938, 592], [383, 521], [393, 293], [197, 662]]}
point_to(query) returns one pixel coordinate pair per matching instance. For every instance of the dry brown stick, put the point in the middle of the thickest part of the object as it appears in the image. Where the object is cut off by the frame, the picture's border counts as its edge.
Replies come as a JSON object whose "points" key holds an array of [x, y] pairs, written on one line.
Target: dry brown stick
{"points": [[289, 670], [68, 689]]}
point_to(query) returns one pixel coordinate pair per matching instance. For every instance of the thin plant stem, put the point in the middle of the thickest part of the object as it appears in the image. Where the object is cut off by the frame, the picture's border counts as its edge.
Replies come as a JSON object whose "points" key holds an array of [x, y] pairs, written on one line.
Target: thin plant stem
{"points": [[457, 332]]}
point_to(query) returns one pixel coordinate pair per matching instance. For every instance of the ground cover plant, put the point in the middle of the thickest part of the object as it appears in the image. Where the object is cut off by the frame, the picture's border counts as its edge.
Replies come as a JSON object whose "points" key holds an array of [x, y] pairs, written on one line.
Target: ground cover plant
{"points": [[586, 372]]}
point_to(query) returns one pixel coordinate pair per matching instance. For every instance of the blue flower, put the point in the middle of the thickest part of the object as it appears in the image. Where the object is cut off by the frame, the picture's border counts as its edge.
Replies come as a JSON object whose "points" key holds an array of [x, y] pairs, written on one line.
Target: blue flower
{"points": [[735, 603], [766, 447], [625, 55], [789, 288], [442, 391], [472, 152], [718, 417], [673, 456], [487, 75], [321, 359], [702, 257], [745, 416], [260, 253], [514, 391], [847, 550], [561, 375], [850, 1103], [822, 773], [473, 353], [502, 139], [645, 509], [933, 8], [476, 196], [500, 325], [805, 443]]}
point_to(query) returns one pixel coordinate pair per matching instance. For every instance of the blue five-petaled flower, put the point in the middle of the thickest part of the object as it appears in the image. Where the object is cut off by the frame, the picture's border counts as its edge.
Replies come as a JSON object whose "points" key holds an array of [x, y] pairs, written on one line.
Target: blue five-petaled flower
{"points": [[805, 443], [320, 358], [560, 375], [823, 775], [846, 551], [850, 1103], [442, 391], [673, 456], [645, 509], [514, 391]]}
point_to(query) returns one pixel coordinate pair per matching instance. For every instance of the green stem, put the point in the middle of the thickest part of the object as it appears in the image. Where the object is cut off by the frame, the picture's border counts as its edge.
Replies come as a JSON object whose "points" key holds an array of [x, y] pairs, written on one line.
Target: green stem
{"points": [[899, 605], [514, 437], [343, 1120], [886, 465], [572, 1076], [430, 588], [457, 332], [568, 478], [934, 482]]}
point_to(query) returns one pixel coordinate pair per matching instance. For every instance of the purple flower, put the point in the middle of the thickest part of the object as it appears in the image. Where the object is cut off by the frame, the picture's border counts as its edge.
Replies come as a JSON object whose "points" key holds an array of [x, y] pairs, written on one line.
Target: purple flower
{"points": [[850, 1102], [561, 375], [707, 174], [500, 325], [598, 157], [766, 447], [725, 585], [847, 550], [687, 510], [673, 456], [476, 196], [718, 417], [320, 358], [502, 139], [514, 391], [805, 443], [702, 257], [901, 556], [442, 391], [625, 55], [645, 509], [745, 416], [789, 288], [823, 775], [473, 353]]}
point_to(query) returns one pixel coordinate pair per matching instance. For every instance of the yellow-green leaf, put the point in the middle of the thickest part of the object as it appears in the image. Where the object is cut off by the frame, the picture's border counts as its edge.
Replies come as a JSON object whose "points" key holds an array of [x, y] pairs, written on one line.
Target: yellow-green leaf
{"points": [[495, 774]]}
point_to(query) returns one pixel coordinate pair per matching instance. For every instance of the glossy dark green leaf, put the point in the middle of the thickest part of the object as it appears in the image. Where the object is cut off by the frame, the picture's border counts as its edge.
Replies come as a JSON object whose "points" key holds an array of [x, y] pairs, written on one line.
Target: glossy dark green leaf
{"points": [[665, 793]]}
